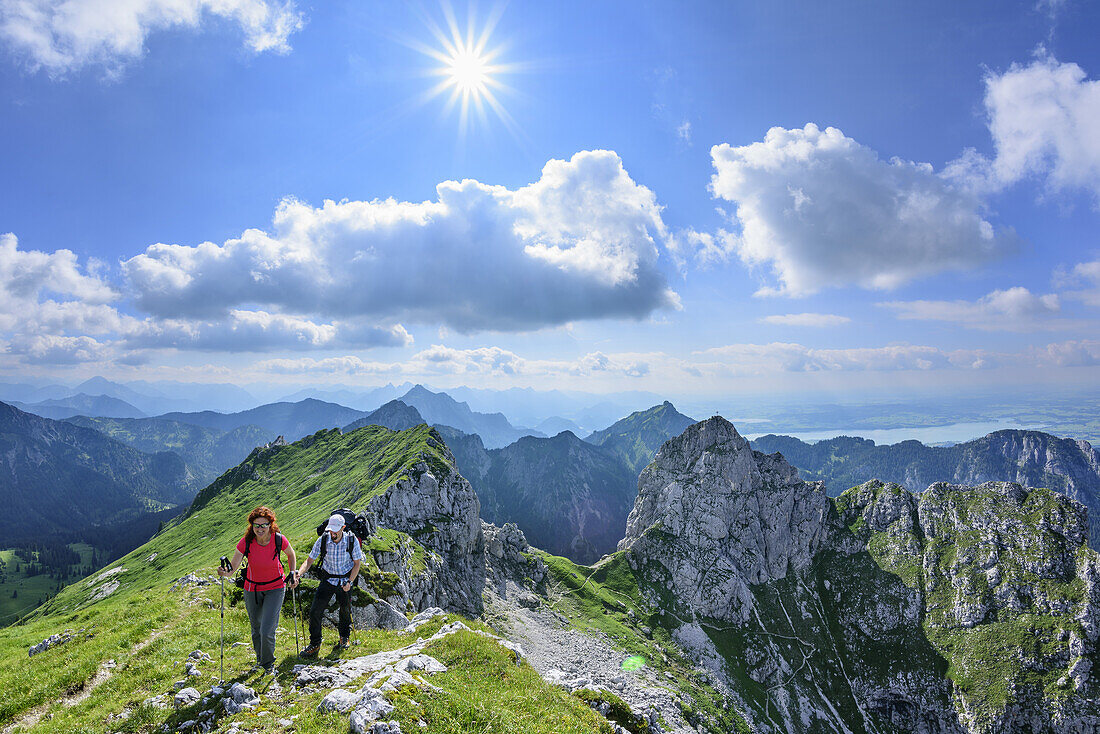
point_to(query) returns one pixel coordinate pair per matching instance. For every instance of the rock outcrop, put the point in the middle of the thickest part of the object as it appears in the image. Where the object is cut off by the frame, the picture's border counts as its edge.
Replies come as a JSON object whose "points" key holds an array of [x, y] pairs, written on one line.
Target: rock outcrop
{"points": [[1030, 458], [713, 516], [437, 508], [963, 609]]}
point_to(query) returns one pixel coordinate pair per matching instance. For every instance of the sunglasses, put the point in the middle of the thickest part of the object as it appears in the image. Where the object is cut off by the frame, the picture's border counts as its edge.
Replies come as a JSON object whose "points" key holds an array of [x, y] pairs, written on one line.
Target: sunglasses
{"points": [[261, 525]]}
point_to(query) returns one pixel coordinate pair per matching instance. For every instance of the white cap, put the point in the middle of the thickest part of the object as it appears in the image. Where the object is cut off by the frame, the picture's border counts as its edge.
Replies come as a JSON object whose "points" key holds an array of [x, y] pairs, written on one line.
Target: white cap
{"points": [[335, 524]]}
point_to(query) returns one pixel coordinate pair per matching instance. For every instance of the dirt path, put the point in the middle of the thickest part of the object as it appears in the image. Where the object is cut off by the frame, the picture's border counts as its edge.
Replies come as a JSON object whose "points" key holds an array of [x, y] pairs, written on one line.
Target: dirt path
{"points": [[106, 669], [564, 655]]}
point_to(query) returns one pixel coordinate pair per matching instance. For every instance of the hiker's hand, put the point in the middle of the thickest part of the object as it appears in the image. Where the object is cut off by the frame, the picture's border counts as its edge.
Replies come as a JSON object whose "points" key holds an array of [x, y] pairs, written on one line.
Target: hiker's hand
{"points": [[223, 573], [294, 580], [346, 587]]}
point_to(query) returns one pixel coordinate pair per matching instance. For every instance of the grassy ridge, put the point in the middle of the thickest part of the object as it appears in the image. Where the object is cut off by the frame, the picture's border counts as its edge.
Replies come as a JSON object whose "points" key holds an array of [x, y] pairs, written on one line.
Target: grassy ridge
{"points": [[148, 628]]}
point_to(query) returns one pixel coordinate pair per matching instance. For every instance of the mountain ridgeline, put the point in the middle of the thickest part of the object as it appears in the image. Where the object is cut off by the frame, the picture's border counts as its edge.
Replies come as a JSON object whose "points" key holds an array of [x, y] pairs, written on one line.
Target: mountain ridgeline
{"points": [[963, 609], [638, 436], [61, 478], [441, 409], [292, 420], [569, 497], [207, 451], [755, 602], [1031, 458]]}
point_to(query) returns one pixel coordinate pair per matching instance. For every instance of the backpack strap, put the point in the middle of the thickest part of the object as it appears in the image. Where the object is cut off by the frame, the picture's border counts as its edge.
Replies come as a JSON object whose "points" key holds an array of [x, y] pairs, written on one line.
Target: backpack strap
{"points": [[279, 544]]}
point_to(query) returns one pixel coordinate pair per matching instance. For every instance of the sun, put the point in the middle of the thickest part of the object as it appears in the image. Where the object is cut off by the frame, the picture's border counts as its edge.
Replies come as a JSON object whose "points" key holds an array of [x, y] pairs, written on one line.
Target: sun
{"points": [[469, 68], [470, 73]]}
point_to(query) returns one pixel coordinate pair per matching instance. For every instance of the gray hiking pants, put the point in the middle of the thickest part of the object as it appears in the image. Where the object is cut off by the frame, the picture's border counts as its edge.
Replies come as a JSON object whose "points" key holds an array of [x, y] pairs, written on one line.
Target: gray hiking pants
{"points": [[263, 612]]}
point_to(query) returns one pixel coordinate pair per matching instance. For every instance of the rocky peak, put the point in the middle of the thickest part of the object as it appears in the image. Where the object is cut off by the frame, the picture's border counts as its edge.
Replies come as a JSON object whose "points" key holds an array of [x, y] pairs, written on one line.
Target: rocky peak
{"points": [[713, 516], [437, 507]]}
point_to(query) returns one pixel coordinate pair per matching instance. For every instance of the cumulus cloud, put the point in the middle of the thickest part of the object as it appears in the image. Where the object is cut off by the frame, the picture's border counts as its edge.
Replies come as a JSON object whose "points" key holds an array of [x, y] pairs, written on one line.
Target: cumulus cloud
{"points": [[64, 35], [1073, 353], [58, 350], [51, 287], [579, 243], [1012, 309], [806, 319], [1042, 118], [822, 210]]}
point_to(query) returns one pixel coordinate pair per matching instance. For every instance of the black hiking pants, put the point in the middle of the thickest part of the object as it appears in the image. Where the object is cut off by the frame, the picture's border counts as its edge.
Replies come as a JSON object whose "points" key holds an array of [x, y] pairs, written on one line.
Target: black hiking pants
{"points": [[321, 598]]}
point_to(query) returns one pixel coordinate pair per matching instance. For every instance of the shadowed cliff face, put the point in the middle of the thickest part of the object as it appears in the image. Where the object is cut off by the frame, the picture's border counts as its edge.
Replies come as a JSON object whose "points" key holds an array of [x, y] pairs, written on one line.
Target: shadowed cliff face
{"points": [[963, 609]]}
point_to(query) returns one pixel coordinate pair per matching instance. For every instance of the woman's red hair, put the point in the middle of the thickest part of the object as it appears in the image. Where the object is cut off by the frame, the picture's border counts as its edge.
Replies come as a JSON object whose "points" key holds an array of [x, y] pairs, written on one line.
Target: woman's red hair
{"points": [[261, 511]]}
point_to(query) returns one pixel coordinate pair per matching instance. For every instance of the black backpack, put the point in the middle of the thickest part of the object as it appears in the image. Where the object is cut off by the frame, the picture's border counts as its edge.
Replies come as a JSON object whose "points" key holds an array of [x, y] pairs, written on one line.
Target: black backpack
{"points": [[242, 574], [358, 527], [358, 524]]}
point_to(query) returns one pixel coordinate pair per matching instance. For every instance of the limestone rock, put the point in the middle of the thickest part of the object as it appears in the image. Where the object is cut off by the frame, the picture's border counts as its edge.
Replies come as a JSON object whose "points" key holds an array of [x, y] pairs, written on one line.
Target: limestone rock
{"points": [[438, 508], [713, 516], [380, 615]]}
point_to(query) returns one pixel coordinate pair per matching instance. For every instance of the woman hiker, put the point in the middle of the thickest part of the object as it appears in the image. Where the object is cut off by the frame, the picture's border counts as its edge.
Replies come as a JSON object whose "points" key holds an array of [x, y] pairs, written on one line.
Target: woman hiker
{"points": [[340, 555], [264, 584]]}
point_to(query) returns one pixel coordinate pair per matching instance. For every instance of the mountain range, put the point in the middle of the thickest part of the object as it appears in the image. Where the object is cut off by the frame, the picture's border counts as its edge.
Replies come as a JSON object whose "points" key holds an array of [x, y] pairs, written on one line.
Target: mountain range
{"points": [[1031, 458], [59, 478], [741, 599], [80, 404], [207, 451]]}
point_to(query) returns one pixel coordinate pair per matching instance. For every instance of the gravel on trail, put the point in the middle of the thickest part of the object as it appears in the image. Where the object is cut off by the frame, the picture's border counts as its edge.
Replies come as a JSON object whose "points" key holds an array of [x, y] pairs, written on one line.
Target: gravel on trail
{"points": [[575, 659]]}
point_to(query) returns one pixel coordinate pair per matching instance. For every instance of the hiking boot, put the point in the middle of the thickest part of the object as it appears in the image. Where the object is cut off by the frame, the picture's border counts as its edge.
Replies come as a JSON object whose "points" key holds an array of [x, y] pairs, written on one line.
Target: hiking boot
{"points": [[269, 669], [311, 651], [341, 645]]}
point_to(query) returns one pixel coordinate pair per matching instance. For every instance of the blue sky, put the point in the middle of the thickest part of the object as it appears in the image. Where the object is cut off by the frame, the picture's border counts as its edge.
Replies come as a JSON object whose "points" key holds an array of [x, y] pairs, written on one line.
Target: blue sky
{"points": [[693, 199]]}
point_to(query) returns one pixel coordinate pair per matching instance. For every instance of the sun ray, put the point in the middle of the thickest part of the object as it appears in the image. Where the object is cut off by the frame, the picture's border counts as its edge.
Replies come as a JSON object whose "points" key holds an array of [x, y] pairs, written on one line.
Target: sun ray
{"points": [[469, 66]]}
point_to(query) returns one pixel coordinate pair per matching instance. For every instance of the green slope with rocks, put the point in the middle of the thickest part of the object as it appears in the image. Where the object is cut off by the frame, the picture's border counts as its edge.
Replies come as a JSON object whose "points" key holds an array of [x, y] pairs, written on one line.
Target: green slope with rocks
{"points": [[126, 636], [962, 609]]}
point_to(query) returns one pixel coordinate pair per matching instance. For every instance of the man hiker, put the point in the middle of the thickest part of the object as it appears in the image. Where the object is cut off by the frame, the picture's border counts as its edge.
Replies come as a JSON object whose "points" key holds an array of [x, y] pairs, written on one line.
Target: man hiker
{"points": [[337, 555]]}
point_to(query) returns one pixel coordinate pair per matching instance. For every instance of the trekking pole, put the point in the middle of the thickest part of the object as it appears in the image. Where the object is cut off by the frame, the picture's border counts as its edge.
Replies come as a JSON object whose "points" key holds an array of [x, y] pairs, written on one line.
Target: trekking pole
{"points": [[226, 566], [294, 606]]}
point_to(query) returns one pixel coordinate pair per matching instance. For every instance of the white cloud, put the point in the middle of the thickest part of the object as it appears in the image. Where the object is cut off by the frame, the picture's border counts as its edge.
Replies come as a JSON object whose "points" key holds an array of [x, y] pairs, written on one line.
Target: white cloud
{"points": [[1012, 309], [806, 319], [58, 350], [822, 210], [258, 331], [683, 131], [32, 282], [64, 35], [789, 357], [707, 248], [1084, 279], [492, 361], [580, 243], [1073, 353], [347, 365], [1042, 118]]}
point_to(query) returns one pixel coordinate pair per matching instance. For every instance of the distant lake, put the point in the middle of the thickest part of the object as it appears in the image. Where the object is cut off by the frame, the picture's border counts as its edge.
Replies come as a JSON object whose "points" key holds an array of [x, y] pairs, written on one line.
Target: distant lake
{"points": [[952, 433]]}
